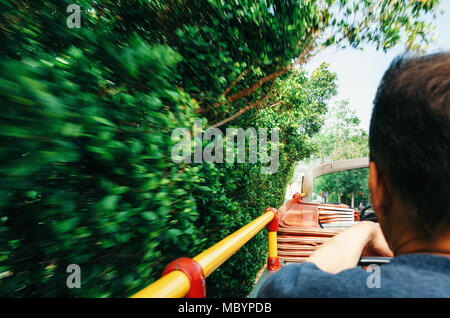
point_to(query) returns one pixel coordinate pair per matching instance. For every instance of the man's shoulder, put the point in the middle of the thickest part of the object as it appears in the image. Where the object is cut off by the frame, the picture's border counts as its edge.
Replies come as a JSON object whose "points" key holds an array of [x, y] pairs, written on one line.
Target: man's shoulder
{"points": [[307, 280], [406, 276]]}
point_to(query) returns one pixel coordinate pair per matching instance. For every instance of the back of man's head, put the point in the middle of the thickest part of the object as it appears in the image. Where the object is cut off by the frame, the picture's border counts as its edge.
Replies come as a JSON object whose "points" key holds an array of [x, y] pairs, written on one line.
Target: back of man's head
{"points": [[410, 138]]}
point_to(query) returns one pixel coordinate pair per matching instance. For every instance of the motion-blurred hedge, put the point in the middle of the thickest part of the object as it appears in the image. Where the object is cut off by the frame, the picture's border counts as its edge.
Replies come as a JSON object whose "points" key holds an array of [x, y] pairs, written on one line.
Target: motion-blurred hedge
{"points": [[87, 114]]}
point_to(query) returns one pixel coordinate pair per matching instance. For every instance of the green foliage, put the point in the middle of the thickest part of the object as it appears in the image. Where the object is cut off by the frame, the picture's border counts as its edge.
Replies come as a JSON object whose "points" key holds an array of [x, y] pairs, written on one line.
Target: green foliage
{"points": [[86, 172], [341, 138], [343, 185], [86, 175]]}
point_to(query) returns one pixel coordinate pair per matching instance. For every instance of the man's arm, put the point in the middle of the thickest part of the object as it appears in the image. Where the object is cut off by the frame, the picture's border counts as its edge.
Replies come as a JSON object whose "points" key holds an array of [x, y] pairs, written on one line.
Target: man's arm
{"points": [[344, 250]]}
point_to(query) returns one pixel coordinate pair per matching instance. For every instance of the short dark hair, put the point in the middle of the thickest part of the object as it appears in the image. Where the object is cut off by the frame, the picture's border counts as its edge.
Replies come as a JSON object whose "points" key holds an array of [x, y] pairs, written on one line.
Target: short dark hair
{"points": [[409, 137]]}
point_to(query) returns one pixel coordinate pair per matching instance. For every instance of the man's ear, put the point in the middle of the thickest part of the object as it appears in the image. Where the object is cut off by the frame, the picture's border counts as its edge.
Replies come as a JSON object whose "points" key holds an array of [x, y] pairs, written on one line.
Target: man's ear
{"points": [[377, 190]]}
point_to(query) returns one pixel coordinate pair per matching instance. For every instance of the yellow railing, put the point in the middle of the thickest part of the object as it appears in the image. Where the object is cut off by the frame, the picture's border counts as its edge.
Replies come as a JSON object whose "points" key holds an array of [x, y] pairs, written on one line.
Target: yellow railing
{"points": [[178, 284]]}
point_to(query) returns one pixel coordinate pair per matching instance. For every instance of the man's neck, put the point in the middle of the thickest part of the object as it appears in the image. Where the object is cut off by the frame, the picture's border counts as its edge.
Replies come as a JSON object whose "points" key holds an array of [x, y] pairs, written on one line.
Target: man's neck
{"points": [[404, 238], [411, 243]]}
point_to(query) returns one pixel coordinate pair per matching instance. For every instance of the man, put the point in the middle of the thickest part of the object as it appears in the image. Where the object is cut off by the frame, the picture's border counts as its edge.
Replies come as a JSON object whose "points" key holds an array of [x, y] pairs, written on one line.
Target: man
{"points": [[409, 179]]}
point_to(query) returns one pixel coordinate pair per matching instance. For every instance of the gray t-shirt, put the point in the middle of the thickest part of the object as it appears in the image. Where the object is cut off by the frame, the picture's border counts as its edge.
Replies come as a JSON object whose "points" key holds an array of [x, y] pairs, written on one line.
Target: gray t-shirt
{"points": [[412, 275]]}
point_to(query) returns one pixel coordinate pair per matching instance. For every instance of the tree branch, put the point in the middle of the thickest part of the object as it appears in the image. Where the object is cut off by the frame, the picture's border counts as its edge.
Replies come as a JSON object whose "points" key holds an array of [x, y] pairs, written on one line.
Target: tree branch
{"points": [[258, 84], [235, 82], [248, 107], [225, 92]]}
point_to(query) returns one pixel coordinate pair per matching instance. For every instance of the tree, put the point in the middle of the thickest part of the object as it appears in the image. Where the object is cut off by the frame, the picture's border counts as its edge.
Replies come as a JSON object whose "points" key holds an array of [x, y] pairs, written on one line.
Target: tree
{"points": [[349, 187], [341, 138], [306, 28]]}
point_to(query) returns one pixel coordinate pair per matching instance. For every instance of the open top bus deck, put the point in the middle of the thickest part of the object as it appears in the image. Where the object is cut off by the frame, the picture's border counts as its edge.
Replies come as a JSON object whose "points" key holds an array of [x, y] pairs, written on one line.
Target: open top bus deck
{"points": [[295, 231]]}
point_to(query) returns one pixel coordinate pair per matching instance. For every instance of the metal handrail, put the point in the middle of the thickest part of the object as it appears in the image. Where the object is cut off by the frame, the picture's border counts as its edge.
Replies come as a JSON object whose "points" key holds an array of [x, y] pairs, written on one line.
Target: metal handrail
{"points": [[178, 283]]}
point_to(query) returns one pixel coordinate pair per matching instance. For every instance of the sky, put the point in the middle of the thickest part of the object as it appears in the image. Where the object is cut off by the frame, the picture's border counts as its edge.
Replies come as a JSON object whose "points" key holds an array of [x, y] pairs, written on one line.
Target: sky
{"points": [[359, 72]]}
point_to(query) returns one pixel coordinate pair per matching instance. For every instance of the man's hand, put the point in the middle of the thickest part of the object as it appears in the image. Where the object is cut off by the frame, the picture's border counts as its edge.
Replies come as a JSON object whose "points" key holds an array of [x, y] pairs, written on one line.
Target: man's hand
{"points": [[345, 249]]}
